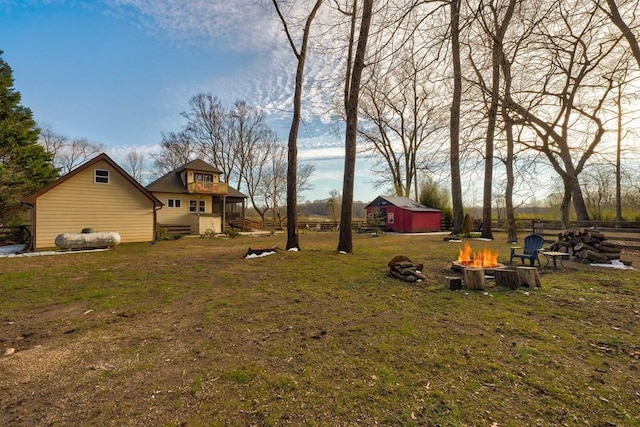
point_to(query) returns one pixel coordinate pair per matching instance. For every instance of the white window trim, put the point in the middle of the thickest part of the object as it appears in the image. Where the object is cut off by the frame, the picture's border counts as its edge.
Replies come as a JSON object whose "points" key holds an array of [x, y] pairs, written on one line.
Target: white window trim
{"points": [[95, 176], [177, 203], [390, 217], [201, 206]]}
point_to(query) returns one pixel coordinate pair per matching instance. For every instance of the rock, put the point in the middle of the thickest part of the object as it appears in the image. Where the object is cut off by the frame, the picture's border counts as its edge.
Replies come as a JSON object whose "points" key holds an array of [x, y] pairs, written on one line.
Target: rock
{"points": [[9, 351]]}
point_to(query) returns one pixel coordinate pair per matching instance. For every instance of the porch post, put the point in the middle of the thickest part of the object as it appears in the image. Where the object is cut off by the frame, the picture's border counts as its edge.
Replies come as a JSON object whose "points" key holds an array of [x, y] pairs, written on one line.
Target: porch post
{"points": [[224, 212]]}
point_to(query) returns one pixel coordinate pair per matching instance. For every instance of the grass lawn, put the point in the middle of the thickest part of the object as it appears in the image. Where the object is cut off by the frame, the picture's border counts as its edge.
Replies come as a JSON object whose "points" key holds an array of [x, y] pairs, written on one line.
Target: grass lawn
{"points": [[188, 332]]}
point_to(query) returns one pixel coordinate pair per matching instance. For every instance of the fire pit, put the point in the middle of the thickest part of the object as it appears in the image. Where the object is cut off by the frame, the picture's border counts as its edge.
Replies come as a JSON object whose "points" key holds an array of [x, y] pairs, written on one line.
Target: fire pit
{"points": [[486, 259], [476, 266]]}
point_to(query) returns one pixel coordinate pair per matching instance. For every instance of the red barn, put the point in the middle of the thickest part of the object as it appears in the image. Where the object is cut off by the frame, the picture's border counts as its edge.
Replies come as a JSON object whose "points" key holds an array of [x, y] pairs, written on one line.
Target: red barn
{"points": [[403, 215]]}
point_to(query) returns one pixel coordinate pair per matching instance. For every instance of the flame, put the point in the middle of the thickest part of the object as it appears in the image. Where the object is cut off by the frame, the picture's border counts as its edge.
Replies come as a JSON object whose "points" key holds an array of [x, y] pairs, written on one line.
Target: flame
{"points": [[484, 258]]}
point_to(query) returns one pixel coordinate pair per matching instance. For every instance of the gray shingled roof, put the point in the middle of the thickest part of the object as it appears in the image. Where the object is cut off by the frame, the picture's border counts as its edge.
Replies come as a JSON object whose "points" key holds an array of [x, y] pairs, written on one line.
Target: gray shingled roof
{"points": [[172, 183], [402, 202]]}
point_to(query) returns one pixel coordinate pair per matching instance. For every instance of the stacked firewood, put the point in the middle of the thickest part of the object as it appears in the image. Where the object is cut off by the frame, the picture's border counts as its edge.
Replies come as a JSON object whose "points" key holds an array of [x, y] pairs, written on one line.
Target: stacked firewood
{"points": [[586, 246], [402, 268]]}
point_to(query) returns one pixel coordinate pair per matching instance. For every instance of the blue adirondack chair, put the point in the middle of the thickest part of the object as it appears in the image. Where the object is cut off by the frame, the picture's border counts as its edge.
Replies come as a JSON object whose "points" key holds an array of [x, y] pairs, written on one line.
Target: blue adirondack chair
{"points": [[533, 244]]}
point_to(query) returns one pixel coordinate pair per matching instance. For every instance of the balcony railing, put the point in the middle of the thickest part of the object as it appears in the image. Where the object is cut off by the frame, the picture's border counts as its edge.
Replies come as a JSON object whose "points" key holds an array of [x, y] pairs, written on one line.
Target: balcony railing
{"points": [[208, 187]]}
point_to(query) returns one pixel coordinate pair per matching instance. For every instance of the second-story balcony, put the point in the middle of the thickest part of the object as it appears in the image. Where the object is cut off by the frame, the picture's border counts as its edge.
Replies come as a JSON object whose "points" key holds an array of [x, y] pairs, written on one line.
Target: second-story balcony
{"points": [[220, 188]]}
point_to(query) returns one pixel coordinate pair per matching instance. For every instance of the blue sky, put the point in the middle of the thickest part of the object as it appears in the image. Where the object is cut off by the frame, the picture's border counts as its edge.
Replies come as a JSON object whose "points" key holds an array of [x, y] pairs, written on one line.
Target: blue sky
{"points": [[119, 72]]}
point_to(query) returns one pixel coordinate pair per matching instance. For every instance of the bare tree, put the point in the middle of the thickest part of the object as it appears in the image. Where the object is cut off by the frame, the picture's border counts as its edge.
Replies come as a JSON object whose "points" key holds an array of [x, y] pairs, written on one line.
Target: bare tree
{"points": [[454, 120], [564, 107], [292, 153], [623, 25], [625, 109], [247, 131], [66, 153], [134, 164], [495, 18], [51, 141], [176, 149], [598, 181], [207, 129], [261, 175], [333, 205], [400, 118], [352, 96]]}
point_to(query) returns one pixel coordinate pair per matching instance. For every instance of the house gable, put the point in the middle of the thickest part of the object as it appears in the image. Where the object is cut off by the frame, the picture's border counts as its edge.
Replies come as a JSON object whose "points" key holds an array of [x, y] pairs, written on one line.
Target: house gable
{"points": [[31, 199], [98, 195]]}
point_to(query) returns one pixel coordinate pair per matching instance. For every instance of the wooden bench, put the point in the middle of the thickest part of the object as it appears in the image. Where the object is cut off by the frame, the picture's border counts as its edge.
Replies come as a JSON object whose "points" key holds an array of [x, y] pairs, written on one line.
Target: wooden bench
{"points": [[176, 229]]}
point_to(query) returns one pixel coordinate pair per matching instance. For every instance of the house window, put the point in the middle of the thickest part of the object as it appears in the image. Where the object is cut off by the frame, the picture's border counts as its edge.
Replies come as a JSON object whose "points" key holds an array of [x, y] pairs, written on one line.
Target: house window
{"points": [[174, 203], [203, 177], [101, 176], [197, 206], [390, 217]]}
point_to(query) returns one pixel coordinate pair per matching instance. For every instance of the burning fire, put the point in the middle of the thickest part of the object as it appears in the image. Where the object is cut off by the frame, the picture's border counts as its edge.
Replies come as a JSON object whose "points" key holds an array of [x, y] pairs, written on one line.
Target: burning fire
{"points": [[484, 258]]}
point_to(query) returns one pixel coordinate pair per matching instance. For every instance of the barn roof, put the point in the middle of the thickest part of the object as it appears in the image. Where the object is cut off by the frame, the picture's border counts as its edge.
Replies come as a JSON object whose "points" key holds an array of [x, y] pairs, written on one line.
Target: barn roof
{"points": [[401, 202]]}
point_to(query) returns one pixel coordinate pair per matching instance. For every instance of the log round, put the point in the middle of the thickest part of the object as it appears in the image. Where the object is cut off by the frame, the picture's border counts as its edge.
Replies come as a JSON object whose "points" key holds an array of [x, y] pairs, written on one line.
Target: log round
{"points": [[529, 276], [473, 278], [104, 239], [506, 278]]}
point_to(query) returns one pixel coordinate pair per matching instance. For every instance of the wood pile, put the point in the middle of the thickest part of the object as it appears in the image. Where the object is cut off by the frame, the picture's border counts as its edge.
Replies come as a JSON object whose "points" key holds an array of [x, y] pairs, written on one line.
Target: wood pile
{"points": [[403, 268], [586, 246]]}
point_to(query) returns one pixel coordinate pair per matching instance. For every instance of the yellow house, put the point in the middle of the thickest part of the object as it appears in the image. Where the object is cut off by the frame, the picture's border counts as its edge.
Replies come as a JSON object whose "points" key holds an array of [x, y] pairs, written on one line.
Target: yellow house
{"points": [[99, 195], [196, 200]]}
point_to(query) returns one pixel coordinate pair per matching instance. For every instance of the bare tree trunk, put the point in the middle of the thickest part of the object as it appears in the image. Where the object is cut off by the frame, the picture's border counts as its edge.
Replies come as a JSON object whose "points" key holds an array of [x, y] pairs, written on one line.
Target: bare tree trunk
{"points": [[512, 235], [500, 28], [345, 243], [618, 155], [292, 153], [454, 124], [582, 213], [624, 28], [565, 205]]}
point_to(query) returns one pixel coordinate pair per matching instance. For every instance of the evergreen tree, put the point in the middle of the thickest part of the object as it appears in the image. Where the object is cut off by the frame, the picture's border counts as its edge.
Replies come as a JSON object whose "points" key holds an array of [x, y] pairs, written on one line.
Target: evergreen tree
{"points": [[25, 166], [434, 196]]}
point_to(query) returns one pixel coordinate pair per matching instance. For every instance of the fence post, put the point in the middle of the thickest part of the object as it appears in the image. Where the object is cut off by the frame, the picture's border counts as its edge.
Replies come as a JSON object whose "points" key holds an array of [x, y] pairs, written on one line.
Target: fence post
{"points": [[537, 226]]}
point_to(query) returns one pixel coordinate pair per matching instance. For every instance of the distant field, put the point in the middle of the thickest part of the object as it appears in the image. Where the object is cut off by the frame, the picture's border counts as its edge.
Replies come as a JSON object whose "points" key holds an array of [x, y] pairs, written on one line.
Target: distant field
{"points": [[188, 332]]}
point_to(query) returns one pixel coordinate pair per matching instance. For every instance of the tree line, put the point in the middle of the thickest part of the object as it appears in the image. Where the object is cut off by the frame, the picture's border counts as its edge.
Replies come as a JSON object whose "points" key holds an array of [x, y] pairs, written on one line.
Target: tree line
{"points": [[503, 90]]}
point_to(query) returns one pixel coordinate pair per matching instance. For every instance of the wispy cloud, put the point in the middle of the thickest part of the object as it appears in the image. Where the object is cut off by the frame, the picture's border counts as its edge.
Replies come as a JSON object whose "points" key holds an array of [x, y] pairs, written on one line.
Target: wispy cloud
{"points": [[235, 25], [247, 26], [268, 80]]}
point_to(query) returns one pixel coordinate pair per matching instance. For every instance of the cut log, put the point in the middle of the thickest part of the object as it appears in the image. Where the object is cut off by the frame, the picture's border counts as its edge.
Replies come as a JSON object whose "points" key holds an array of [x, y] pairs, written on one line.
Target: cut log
{"points": [[529, 276], [593, 256], [606, 248], [395, 274], [409, 271], [506, 278], [584, 246], [420, 276], [473, 278], [597, 235], [607, 244], [453, 283]]}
